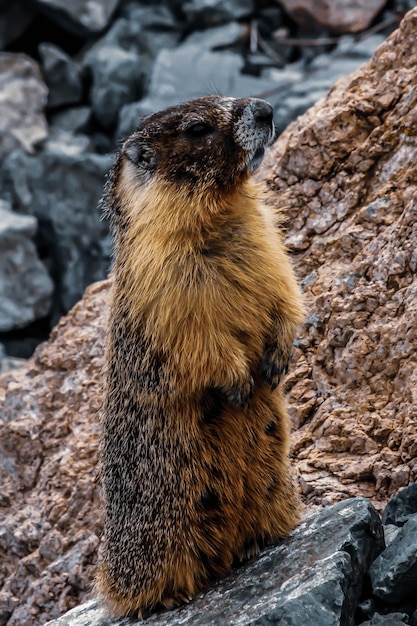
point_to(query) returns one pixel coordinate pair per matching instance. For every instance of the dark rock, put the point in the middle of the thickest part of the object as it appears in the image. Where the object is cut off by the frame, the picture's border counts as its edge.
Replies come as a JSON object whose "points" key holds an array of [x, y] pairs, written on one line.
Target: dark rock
{"points": [[74, 120], [392, 619], [314, 576], [81, 17], [121, 62], [401, 506], [394, 573], [61, 75], [23, 98], [61, 188], [405, 5], [14, 19], [25, 285], [155, 26], [212, 12]]}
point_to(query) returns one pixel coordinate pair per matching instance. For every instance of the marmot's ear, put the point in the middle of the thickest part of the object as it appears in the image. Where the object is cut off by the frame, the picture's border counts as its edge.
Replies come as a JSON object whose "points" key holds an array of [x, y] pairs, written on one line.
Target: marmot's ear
{"points": [[138, 154]]}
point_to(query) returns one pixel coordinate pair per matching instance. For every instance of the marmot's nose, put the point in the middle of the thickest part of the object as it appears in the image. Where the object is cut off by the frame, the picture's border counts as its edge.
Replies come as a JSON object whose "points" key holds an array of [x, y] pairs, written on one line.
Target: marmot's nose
{"points": [[262, 111]]}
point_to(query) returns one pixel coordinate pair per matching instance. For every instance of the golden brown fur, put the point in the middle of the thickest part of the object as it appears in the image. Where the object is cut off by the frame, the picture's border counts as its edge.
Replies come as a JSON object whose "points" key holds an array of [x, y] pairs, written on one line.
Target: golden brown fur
{"points": [[204, 310]]}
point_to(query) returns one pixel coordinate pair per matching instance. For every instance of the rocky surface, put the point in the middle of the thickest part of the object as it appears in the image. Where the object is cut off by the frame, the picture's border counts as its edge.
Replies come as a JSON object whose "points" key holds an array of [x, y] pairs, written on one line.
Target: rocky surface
{"points": [[25, 285], [340, 16], [61, 188], [314, 576], [345, 174], [49, 501], [22, 103], [77, 76], [78, 16]]}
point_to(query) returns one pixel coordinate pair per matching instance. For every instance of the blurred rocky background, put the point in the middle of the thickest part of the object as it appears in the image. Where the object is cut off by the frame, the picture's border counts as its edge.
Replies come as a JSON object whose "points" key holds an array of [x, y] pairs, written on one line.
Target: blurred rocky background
{"points": [[76, 76]]}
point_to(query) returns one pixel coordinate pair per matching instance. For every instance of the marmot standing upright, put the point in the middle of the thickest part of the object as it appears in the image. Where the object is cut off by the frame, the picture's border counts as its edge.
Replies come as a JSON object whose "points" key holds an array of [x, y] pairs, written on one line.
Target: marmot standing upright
{"points": [[204, 310]]}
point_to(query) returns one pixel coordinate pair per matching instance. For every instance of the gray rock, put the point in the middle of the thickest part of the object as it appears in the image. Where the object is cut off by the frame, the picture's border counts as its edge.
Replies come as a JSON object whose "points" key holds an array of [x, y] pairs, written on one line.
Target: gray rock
{"points": [[313, 577], [25, 285], [394, 573], [390, 532], [14, 19], [23, 98], [81, 17], [62, 76], [73, 120], [401, 506], [392, 619], [154, 27], [61, 188], [121, 61], [290, 101], [190, 71], [211, 12], [218, 37]]}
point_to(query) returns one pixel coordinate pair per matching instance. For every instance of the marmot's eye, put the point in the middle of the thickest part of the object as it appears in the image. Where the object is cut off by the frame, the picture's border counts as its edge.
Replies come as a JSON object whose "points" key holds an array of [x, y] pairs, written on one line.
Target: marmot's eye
{"points": [[199, 130]]}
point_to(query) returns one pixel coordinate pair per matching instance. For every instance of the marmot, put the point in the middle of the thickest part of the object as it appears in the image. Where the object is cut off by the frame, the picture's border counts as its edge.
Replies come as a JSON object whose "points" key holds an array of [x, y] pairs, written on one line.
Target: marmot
{"points": [[203, 314]]}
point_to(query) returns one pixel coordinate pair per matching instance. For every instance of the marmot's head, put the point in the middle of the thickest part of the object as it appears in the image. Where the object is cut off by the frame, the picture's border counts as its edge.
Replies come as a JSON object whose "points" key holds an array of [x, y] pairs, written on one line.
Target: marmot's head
{"points": [[208, 143]]}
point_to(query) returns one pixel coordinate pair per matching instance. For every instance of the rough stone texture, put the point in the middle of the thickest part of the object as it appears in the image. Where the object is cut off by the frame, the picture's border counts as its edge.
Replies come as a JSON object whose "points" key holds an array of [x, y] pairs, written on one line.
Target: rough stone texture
{"points": [[25, 285], [346, 174], [401, 506], [211, 12], [394, 573], [62, 76], [341, 16], [61, 188], [23, 98], [313, 577], [79, 16], [49, 501]]}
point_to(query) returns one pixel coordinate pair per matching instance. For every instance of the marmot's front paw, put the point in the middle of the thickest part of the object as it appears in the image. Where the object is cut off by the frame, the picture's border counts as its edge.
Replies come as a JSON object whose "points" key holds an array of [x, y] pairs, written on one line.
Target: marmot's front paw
{"points": [[241, 395], [274, 365]]}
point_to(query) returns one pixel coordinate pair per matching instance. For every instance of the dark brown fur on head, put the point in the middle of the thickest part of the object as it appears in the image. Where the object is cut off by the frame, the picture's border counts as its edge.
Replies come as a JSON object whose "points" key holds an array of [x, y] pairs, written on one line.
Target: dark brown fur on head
{"points": [[210, 142]]}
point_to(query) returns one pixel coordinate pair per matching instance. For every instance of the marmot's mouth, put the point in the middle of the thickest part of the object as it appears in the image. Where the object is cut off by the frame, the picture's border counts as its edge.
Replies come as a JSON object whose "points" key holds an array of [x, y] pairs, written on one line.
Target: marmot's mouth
{"points": [[256, 158]]}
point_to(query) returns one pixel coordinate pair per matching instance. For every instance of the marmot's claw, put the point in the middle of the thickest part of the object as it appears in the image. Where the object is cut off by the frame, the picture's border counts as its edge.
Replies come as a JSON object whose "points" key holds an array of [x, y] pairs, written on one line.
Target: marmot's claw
{"points": [[274, 366], [241, 396]]}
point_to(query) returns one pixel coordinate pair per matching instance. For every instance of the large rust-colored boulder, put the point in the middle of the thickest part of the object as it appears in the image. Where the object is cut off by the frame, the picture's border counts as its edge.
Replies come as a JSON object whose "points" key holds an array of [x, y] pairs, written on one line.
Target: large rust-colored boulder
{"points": [[346, 175], [346, 172]]}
